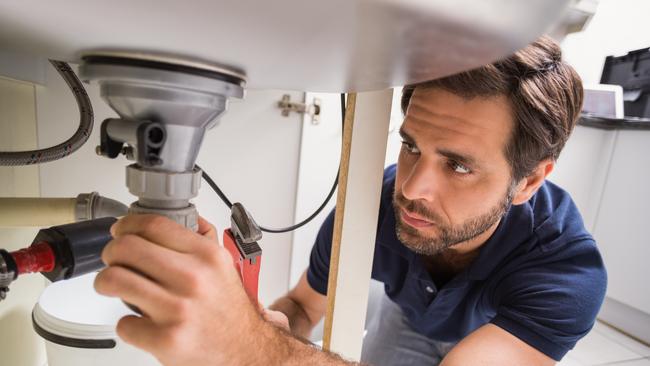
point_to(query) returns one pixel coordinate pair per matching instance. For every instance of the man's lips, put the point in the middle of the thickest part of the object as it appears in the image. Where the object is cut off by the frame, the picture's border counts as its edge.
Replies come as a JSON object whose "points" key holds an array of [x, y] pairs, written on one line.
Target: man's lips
{"points": [[414, 220]]}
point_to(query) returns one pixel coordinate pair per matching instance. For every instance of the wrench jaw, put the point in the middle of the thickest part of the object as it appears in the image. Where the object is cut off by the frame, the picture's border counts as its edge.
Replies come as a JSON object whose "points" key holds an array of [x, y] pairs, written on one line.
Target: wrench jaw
{"points": [[247, 259], [241, 242], [243, 225]]}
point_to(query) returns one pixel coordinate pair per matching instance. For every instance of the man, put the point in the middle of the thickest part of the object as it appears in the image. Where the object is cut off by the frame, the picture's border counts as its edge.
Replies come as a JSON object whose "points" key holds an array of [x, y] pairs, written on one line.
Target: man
{"points": [[483, 261]]}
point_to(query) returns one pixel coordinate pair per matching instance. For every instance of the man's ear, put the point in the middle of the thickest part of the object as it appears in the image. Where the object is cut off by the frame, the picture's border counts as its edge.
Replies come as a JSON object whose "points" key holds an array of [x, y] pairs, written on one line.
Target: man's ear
{"points": [[529, 185]]}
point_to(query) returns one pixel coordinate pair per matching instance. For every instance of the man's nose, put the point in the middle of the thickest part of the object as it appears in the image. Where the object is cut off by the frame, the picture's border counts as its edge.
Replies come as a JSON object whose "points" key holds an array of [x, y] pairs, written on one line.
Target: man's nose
{"points": [[420, 183]]}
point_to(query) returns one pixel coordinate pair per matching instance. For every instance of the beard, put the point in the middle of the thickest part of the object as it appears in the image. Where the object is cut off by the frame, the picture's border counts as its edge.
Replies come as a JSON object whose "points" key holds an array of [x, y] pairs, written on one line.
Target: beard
{"points": [[448, 235]]}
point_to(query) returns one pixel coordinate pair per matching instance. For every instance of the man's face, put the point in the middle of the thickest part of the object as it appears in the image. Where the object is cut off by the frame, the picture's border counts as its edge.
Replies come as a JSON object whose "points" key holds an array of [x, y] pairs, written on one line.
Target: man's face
{"points": [[453, 181]]}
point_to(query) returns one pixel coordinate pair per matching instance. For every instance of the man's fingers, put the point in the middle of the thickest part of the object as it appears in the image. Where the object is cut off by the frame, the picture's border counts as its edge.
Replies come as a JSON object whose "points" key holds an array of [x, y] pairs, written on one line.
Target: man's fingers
{"points": [[148, 296], [164, 341], [158, 229], [276, 318], [138, 331], [170, 269], [207, 229]]}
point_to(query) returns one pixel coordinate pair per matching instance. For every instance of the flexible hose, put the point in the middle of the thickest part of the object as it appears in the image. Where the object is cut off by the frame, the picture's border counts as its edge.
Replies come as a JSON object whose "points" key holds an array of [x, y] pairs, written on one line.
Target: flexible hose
{"points": [[14, 158]]}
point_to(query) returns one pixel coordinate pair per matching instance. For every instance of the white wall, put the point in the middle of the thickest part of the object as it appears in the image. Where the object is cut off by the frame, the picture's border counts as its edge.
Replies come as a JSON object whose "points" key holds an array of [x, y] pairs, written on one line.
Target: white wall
{"points": [[252, 155], [19, 344], [619, 26], [583, 167]]}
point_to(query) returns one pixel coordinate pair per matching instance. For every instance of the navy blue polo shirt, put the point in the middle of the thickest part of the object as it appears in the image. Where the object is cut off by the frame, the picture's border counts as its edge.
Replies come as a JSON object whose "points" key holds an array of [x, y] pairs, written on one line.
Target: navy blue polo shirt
{"points": [[539, 276]]}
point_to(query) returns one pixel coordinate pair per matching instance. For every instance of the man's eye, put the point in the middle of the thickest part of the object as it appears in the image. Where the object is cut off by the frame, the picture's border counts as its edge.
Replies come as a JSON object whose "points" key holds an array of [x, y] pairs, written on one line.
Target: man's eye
{"points": [[412, 149], [459, 168]]}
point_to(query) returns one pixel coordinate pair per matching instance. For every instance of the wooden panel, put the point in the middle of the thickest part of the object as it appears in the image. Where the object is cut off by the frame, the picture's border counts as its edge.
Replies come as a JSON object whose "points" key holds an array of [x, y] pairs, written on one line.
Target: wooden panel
{"points": [[362, 163]]}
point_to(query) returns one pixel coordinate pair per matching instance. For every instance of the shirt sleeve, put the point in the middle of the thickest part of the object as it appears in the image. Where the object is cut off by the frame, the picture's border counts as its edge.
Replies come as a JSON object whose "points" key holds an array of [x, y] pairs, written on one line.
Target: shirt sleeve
{"points": [[319, 260], [551, 305]]}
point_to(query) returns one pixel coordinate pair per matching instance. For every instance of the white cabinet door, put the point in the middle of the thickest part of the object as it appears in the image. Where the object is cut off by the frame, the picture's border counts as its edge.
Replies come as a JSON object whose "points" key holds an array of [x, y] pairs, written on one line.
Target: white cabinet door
{"points": [[622, 223], [623, 218]]}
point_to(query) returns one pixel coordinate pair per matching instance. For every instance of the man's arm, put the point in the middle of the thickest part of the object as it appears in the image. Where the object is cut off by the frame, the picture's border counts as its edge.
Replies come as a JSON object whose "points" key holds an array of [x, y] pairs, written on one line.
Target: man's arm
{"points": [[303, 306], [491, 345], [289, 351]]}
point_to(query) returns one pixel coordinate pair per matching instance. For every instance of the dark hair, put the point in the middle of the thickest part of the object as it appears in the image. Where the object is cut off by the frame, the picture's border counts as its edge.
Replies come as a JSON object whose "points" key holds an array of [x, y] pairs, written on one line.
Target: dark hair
{"points": [[545, 93]]}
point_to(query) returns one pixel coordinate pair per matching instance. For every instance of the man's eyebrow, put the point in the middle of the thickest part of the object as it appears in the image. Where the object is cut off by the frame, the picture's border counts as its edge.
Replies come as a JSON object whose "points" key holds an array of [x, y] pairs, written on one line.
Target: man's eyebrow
{"points": [[463, 159], [449, 154], [405, 135]]}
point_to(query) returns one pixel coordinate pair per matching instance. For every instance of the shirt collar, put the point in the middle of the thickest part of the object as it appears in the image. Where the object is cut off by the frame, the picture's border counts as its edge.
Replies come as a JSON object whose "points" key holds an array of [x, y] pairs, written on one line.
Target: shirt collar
{"points": [[515, 227]]}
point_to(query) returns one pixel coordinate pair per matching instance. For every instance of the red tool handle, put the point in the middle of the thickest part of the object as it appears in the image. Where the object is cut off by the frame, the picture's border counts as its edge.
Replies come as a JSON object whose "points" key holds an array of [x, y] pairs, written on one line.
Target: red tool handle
{"points": [[39, 257], [249, 269]]}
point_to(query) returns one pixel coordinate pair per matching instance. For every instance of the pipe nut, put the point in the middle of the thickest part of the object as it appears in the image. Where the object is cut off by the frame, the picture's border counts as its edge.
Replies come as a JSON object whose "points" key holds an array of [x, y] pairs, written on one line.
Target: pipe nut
{"points": [[187, 216], [84, 208], [162, 186]]}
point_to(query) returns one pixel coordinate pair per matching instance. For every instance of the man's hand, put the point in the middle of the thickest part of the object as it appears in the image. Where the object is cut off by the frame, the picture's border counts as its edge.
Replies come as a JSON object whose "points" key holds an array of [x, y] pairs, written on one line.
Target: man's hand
{"points": [[276, 318], [303, 307], [196, 311], [207, 229]]}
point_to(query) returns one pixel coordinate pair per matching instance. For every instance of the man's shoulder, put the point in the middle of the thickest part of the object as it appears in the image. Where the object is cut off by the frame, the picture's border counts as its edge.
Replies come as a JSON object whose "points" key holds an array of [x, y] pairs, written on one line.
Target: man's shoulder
{"points": [[557, 221], [562, 252], [547, 231]]}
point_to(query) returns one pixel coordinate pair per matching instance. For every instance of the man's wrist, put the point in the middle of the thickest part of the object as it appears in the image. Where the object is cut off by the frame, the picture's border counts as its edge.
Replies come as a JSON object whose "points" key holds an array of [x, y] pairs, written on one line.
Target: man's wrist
{"points": [[279, 347], [276, 349]]}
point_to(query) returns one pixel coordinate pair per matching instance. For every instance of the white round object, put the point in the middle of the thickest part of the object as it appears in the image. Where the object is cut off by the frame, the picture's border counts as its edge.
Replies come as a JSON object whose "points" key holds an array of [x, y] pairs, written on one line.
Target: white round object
{"points": [[78, 326]]}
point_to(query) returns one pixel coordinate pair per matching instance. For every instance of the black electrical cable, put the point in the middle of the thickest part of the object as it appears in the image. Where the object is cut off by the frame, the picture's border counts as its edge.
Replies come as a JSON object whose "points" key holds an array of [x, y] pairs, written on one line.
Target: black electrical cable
{"points": [[215, 187], [304, 222]]}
